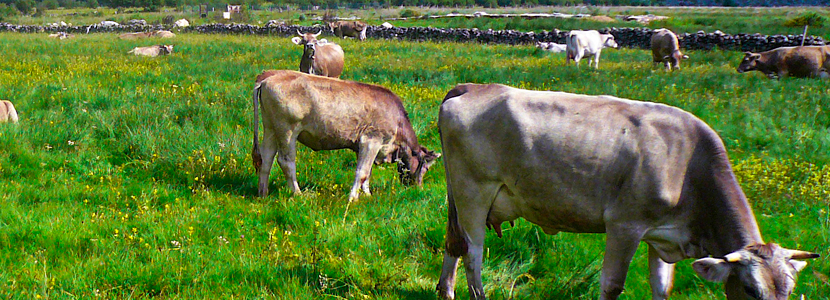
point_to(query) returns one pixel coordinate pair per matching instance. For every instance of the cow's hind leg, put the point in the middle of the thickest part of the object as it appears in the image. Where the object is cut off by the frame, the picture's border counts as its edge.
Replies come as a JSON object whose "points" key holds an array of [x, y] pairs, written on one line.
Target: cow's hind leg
{"points": [[661, 277], [267, 150], [287, 158], [620, 245], [366, 154]]}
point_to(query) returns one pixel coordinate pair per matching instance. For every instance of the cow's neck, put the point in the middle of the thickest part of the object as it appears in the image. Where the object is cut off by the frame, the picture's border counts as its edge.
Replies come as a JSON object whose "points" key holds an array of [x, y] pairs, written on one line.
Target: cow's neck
{"points": [[725, 218]]}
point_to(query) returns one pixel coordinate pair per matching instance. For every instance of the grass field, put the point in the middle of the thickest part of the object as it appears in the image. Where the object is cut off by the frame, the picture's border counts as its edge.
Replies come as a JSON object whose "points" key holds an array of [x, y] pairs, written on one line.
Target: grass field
{"points": [[129, 177]]}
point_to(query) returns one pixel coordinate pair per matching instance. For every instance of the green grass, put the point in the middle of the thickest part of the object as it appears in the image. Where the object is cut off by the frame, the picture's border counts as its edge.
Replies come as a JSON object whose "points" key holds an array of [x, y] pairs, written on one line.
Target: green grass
{"points": [[129, 178]]}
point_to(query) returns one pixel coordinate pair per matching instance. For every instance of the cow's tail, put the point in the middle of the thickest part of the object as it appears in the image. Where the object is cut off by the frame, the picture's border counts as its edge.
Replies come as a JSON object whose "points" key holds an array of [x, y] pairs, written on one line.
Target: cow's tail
{"points": [[456, 244], [256, 157]]}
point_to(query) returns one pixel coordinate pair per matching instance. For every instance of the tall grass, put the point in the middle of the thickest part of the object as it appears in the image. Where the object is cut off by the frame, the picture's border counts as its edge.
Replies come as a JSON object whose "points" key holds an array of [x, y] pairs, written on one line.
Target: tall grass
{"points": [[128, 177]]}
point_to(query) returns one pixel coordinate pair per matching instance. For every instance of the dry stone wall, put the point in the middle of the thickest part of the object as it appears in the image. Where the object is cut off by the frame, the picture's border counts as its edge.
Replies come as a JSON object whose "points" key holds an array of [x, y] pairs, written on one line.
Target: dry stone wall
{"points": [[626, 37]]}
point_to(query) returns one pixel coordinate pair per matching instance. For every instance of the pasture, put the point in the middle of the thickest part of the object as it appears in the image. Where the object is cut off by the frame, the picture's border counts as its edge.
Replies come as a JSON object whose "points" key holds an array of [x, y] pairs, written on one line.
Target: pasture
{"points": [[129, 177]]}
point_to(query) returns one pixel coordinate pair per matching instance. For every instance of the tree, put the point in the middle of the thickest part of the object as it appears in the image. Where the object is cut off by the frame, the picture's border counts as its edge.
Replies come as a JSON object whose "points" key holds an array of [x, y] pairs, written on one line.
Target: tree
{"points": [[92, 3], [24, 6]]}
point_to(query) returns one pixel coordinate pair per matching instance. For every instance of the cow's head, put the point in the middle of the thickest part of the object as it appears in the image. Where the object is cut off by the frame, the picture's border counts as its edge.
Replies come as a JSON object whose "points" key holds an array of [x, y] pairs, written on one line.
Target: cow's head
{"points": [[608, 41], [305, 38], [749, 62], [761, 271], [165, 49], [333, 26], [674, 59], [414, 163]]}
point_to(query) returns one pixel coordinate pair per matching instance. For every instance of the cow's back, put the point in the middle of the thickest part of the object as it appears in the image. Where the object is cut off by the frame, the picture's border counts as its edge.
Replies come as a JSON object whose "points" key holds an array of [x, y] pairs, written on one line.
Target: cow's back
{"points": [[7, 112], [332, 113], [572, 158]]}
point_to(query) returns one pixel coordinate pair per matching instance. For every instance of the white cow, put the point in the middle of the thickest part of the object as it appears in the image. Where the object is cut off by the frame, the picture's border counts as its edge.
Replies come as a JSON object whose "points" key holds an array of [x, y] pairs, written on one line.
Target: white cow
{"points": [[583, 43], [637, 171], [152, 51], [552, 47]]}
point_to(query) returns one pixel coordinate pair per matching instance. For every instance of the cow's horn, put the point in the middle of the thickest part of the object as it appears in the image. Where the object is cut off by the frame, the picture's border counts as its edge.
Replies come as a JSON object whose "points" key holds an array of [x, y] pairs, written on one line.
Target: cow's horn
{"points": [[318, 33], [733, 257], [798, 254], [298, 33]]}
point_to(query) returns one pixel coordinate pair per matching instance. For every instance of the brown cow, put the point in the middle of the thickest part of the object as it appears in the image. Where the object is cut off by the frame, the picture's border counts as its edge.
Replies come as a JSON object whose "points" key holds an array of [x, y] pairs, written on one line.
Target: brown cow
{"points": [[327, 114], [319, 56], [7, 112], [636, 171], [806, 61], [665, 49], [355, 29], [135, 35], [152, 51]]}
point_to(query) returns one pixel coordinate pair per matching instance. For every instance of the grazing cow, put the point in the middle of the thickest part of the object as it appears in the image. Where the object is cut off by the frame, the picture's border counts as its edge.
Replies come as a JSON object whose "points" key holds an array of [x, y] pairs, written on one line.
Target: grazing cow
{"points": [[355, 29], [327, 114], [552, 47], [581, 43], [7, 112], [665, 49], [319, 56], [152, 51], [637, 171], [805, 61]]}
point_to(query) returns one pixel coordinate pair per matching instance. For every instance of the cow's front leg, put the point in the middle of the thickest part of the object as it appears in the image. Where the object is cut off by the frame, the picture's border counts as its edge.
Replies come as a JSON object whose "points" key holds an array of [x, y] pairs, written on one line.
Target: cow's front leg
{"points": [[620, 245], [596, 60], [287, 159], [366, 154], [661, 275]]}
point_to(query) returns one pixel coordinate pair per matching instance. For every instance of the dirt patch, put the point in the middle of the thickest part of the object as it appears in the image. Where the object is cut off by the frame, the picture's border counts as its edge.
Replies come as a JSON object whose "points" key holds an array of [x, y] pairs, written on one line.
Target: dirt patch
{"points": [[602, 19]]}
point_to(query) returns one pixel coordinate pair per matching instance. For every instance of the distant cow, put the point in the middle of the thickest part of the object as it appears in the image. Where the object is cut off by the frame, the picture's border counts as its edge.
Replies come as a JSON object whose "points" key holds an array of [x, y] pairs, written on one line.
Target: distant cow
{"points": [[355, 29], [551, 47], [135, 35], [152, 51], [149, 34], [319, 56], [582, 43], [61, 35], [327, 114], [637, 171], [665, 49], [164, 34], [806, 61], [7, 112]]}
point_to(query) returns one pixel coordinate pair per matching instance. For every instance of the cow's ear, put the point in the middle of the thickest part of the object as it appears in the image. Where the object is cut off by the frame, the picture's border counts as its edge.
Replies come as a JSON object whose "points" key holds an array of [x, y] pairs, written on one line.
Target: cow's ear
{"points": [[712, 269], [755, 56], [296, 40]]}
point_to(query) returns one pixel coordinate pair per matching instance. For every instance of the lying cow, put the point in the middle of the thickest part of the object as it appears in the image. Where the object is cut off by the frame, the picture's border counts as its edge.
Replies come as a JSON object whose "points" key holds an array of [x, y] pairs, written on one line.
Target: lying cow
{"points": [[552, 47], [355, 29], [61, 35], [135, 35], [806, 61], [327, 114], [319, 56], [582, 43], [665, 49], [7, 112], [149, 34], [637, 171], [152, 51]]}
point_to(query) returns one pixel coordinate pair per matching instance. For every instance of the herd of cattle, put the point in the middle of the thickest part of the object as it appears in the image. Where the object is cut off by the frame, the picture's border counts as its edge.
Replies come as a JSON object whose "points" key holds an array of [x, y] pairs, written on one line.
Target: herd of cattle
{"points": [[637, 171]]}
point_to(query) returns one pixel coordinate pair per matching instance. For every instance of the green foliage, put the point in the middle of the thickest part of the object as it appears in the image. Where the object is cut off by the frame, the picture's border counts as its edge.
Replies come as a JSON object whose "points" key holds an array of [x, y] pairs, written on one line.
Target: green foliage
{"points": [[129, 177], [409, 13], [812, 19]]}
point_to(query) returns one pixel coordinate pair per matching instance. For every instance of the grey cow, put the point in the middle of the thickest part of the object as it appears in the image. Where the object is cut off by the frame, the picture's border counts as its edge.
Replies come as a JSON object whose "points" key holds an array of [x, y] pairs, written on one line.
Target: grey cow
{"points": [[637, 171]]}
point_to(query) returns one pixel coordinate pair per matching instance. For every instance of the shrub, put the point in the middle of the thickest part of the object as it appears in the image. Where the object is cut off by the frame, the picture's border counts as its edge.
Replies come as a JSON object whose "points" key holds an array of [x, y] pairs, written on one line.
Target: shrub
{"points": [[410, 13], [811, 18]]}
